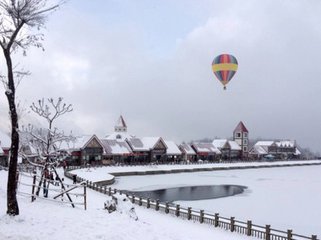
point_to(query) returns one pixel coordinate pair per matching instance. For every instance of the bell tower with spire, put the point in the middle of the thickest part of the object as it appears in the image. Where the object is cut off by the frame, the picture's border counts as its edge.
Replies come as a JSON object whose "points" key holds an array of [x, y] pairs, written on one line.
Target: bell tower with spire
{"points": [[121, 125], [241, 136]]}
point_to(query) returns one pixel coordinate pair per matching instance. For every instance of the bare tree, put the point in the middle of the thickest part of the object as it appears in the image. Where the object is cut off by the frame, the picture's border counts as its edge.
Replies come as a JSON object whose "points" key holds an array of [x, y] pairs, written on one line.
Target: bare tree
{"points": [[48, 138], [47, 141], [17, 19]]}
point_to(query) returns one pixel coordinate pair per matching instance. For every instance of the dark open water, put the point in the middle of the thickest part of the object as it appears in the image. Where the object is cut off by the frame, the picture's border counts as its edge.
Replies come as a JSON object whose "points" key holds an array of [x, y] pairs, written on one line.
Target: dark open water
{"points": [[191, 193]]}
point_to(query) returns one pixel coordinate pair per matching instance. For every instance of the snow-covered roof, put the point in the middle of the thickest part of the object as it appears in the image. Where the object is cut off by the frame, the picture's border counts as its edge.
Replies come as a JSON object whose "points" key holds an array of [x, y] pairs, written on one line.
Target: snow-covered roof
{"points": [[224, 143], [234, 145], [187, 149], [172, 148], [119, 136], [264, 143], [206, 148], [150, 142], [78, 143], [144, 143], [219, 143], [115, 147], [280, 143], [137, 144], [258, 149]]}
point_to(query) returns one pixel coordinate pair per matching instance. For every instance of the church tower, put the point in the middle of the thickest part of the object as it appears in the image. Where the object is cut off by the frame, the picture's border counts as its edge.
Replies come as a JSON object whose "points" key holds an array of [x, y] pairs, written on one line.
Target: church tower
{"points": [[121, 125], [241, 136]]}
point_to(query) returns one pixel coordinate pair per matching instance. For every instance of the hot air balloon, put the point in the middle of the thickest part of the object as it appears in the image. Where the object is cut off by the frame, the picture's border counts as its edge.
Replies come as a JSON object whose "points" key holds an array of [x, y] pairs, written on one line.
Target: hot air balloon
{"points": [[224, 67]]}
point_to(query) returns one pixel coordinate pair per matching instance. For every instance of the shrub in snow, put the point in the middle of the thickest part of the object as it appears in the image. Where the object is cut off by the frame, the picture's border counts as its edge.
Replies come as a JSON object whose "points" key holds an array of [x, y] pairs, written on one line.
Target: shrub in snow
{"points": [[121, 204], [110, 205]]}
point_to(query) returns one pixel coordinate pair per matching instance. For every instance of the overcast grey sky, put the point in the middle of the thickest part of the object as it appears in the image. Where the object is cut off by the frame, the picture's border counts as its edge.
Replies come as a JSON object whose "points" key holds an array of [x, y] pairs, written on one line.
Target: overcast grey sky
{"points": [[151, 62]]}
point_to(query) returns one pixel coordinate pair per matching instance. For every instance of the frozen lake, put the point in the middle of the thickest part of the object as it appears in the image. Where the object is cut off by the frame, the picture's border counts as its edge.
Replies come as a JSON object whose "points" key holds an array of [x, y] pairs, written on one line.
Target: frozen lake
{"points": [[285, 198]]}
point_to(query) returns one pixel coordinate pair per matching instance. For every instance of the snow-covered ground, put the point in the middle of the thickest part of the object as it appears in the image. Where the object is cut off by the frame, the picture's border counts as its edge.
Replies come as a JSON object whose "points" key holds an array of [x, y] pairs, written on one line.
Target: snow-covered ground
{"points": [[286, 197], [48, 220]]}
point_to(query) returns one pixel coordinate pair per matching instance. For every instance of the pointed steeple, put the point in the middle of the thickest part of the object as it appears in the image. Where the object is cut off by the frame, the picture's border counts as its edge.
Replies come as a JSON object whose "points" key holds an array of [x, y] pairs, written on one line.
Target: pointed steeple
{"points": [[240, 128], [121, 125]]}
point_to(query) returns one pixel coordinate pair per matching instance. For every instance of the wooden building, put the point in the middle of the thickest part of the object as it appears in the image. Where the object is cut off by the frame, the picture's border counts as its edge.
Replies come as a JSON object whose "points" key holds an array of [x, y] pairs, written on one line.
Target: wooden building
{"points": [[230, 150], [173, 152], [84, 150], [281, 149], [206, 151], [188, 153]]}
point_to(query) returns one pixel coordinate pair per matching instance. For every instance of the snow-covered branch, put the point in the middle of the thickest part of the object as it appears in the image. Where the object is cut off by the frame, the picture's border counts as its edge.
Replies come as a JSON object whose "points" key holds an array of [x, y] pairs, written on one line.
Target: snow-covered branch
{"points": [[51, 111]]}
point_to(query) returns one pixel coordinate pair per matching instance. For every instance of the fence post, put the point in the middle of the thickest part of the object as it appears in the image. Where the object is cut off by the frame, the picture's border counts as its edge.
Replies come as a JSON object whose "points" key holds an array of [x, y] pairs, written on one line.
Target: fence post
{"points": [[216, 219], [314, 237], [166, 207], [115, 190], [140, 201], [189, 213], [157, 205], [232, 224], [148, 203], [289, 234], [33, 188], [85, 198], [105, 190], [201, 216], [249, 228], [177, 210], [267, 232], [133, 198], [109, 191]]}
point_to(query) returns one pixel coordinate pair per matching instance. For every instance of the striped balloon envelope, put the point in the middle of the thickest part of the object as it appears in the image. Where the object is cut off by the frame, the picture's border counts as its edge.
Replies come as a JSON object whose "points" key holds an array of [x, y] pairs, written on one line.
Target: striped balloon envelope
{"points": [[224, 67]]}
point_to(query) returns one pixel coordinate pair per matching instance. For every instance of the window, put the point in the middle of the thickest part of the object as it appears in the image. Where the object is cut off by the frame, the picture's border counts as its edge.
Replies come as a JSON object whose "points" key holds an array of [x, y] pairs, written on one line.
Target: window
{"points": [[245, 134], [118, 136], [244, 149], [245, 141], [238, 134]]}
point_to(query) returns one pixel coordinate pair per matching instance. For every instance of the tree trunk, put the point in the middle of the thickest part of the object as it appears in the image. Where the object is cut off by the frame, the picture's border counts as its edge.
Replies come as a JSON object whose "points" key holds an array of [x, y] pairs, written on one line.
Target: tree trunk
{"points": [[12, 204]]}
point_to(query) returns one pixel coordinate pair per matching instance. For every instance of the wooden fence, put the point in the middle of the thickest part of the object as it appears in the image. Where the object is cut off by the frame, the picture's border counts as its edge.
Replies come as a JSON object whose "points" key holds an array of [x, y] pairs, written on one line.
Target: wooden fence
{"points": [[229, 224]]}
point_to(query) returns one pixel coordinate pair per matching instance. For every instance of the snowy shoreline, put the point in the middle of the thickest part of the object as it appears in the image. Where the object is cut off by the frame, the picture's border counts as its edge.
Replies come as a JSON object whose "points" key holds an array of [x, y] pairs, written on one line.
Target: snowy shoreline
{"points": [[106, 174]]}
